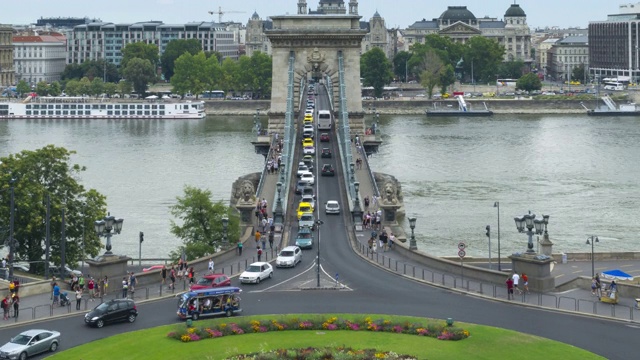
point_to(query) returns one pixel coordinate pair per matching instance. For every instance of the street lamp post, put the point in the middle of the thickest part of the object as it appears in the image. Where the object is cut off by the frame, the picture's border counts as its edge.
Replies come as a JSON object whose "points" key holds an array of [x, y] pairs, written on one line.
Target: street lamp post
{"points": [[497, 205], [529, 221], [412, 242], [84, 209], [591, 240], [11, 222], [318, 224], [278, 213], [406, 71], [357, 211], [225, 227], [103, 228]]}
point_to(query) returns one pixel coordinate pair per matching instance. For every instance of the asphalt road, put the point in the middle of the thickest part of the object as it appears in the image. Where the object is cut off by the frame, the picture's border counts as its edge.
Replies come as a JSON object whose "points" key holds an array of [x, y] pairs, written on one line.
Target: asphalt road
{"points": [[369, 289]]}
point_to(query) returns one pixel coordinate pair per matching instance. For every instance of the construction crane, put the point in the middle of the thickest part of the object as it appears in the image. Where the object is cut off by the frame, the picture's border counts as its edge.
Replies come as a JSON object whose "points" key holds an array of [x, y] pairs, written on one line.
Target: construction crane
{"points": [[220, 13]]}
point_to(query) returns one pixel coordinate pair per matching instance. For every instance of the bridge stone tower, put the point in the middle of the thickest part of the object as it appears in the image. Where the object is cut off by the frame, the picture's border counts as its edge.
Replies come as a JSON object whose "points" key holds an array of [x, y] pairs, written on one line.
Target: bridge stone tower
{"points": [[316, 40]]}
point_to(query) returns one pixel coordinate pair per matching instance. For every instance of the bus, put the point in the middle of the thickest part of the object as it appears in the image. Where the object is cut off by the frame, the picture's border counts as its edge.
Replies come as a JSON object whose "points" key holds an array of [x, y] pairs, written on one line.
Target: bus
{"points": [[215, 94], [325, 119], [209, 302], [616, 84], [506, 82]]}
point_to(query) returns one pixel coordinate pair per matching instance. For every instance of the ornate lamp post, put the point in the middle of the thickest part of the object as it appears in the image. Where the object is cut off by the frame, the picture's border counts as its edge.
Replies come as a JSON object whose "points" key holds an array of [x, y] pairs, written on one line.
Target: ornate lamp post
{"points": [[318, 225], [412, 242], [352, 171], [103, 228], [225, 226], [84, 209], [278, 213], [357, 211], [497, 205], [11, 221], [529, 221], [591, 240]]}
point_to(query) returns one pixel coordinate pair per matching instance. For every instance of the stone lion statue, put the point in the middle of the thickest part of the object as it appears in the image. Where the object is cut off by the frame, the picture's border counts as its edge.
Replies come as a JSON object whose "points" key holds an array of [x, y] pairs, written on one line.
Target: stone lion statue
{"points": [[389, 193], [247, 191]]}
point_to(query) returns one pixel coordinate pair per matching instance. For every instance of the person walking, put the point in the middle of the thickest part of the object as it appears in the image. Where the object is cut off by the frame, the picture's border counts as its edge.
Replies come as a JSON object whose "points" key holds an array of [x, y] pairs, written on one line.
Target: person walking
{"points": [[516, 280], [163, 273], [5, 307], [192, 275], [56, 293], [525, 282], [392, 241], [593, 285], [81, 282], [172, 276], [271, 235], [509, 288], [125, 287], [211, 265], [53, 282], [105, 286], [257, 237], [259, 253], [91, 285], [132, 283], [239, 248], [16, 305], [78, 298], [598, 285]]}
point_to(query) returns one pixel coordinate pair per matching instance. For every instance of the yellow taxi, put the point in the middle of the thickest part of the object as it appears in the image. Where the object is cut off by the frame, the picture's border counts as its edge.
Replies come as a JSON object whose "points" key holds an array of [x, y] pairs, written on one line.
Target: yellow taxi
{"points": [[304, 208], [308, 118], [307, 142]]}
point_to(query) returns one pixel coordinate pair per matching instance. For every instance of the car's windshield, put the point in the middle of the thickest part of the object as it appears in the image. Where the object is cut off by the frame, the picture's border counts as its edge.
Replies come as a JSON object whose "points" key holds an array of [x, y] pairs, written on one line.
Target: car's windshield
{"points": [[102, 307], [306, 218], [253, 268], [304, 235], [332, 205], [21, 339], [305, 208], [204, 281], [286, 253]]}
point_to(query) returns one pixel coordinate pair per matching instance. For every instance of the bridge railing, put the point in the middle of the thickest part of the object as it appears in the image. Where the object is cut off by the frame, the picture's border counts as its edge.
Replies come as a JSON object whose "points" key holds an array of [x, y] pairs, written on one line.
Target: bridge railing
{"points": [[344, 132], [265, 168], [372, 177], [329, 86], [289, 138]]}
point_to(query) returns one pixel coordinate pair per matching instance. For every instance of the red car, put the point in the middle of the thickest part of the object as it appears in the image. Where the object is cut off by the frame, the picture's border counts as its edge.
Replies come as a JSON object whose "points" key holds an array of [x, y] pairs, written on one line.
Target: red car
{"points": [[324, 137], [211, 281]]}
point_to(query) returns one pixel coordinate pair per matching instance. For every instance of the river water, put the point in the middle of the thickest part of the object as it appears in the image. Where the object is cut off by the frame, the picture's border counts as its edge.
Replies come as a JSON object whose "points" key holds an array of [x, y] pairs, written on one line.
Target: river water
{"points": [[582, 171]]}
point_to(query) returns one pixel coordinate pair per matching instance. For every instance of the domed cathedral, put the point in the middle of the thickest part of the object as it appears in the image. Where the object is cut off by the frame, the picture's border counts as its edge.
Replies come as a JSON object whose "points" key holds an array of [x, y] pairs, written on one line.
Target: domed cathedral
{"points": [[460, 24], [255, 38]]}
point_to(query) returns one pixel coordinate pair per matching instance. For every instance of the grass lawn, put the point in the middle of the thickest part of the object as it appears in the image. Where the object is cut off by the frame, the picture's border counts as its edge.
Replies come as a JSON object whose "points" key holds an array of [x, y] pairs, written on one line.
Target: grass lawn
{"points": [[484, 343]]}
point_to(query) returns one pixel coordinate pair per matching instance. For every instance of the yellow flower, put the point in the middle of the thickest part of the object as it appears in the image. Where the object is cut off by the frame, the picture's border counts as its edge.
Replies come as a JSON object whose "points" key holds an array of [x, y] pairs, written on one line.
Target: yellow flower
{"points": [[380, 356], [386, 322], [191, 330], [185, 338], [367, 320], [255, 323]]}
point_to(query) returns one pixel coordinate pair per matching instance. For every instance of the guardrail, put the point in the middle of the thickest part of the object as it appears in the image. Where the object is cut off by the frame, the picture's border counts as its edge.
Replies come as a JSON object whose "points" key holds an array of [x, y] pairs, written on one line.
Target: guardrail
{"points": [[289, 136], [265, 168], [345, 133]]}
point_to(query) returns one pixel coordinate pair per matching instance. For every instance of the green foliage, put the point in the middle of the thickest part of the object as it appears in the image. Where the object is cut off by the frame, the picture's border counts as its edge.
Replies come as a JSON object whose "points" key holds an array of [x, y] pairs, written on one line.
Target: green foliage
{"points": [[261, 72], [72, 71], [230, 70], [189, 74], [447, 78], [139, 50], [110, 88], [55, 89], [23, 87], [486, 55], [213, 72], [139, 72], [579, 73], [433, 72], [85, 86], [200, 219], [375, 69], [529, 82], [91, 69], [124, 87], [400, 65], [175, 49], [42, 88], [511, 69], [97, 87], [38, 173], [72, 88]]}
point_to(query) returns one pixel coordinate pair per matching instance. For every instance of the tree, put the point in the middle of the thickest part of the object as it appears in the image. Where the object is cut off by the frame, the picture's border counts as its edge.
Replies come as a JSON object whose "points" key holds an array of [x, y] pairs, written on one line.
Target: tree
{"points": [[432, 73], [23, 87], [91, 69], [72, 88], [43, 172], [200, 227], [139, 72], [139, 50], [230, 71], [72, 71], [55, 89], [511, 69], [97, 87], [529, 82], [189, 74], [447, 78], [375, 69], [110, 88], [486, 55], [42, 88], [85, 86], [124, 88], [213, 73], [261, 70], [578, 73], [400, 65], [175, 49]]}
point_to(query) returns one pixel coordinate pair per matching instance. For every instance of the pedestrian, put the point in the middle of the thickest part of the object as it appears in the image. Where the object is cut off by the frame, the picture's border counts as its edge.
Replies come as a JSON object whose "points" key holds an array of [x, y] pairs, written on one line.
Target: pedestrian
{"points": [[105, 287], [392, 241], [78, 298], [211, 264], [516, 280], [125, 287], [56, 293], [509, 288], [163, 273], [81, 282], [370, 243], [172, 276], [385, 239], [16, 305], [91, 285], [132, 283], [192, 275], [53, 282], [374, 201], [271, 235], [239, 248], [5, 307], [598, 285], [366, 203], [16, 283], [257, 237], [264, 224], [525, 282], [74, 282], [264, 242], [593, 285], [259, 253], [12, 287]]}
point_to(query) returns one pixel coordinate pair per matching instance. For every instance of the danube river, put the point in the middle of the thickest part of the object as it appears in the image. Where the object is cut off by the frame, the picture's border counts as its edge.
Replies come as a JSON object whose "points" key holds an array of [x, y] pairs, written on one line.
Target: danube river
{"points": [[582, 171]]}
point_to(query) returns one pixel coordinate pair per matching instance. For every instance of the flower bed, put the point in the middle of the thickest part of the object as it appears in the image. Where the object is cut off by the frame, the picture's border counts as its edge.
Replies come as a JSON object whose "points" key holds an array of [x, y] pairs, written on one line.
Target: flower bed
{"points": [[435, 329], [324, 354]]}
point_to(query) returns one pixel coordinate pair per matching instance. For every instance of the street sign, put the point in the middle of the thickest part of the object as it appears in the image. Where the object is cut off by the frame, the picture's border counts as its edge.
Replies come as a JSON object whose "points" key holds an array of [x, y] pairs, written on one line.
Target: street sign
{"points": [[461, 253], [461, 246]]}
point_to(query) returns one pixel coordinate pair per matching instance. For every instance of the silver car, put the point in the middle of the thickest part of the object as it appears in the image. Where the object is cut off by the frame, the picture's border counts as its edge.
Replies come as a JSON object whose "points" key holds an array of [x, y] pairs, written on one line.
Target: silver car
{"points": [[332, 207], [29, 343], [307, 219]]}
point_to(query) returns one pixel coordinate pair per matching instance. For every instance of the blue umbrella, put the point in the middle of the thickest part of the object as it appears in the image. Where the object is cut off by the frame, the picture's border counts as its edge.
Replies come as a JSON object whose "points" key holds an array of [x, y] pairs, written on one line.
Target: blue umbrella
{"points": [[616, 275]]}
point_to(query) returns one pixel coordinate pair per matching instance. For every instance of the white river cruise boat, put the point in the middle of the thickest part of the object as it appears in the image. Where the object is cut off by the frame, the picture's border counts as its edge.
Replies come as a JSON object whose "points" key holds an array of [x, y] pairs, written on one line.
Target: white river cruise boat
{"points": [[87, 108]]}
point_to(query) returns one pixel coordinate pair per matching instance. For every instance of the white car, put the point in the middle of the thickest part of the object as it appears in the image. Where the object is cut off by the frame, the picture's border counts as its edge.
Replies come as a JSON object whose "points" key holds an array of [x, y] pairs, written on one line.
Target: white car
{"points": [[311, 150], [309, 199], [289, 257], [256, 272], [302, 168], [307, 127], [332, 207], [308, 177]]}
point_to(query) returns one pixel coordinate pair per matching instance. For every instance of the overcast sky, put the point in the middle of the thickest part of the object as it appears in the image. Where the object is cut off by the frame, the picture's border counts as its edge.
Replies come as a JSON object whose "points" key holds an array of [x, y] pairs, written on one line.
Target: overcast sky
{"points": [[401, 13]]}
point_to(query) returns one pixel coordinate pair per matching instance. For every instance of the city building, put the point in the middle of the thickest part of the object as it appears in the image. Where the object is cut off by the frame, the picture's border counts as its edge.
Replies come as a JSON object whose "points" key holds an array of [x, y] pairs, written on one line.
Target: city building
{"points": [[614, 44], [542, 50], [256, 40], [7, 75], [102, 40], [460, 24], [567, 54], [63, 22], [39, 57]]}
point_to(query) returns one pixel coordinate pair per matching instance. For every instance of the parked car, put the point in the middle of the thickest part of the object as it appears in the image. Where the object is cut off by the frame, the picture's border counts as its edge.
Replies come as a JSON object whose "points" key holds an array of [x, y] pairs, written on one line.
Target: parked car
{"points": [[68, 273], [326, 153], [308, 177], [309, 150], [114, 310], [29, 343], [257, 272], [304, 239], [290, 256], [332, 207], [324, 137], [211, 281], [307, 219], [328, 170]]}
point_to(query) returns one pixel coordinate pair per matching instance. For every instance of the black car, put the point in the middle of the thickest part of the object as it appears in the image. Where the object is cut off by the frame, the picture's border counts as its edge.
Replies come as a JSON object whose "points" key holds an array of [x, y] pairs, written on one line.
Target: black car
{"points": [[112, 311], [328, 170], [326, 153]]}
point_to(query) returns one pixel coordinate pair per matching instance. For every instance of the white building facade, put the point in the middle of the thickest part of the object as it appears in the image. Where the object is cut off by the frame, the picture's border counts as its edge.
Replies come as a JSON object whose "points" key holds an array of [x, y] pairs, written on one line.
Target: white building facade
{"points": [[39, 57]]}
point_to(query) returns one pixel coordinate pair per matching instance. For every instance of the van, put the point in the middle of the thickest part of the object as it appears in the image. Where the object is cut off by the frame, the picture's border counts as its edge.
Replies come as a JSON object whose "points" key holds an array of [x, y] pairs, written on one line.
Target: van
{"points": [[209, 302]]}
